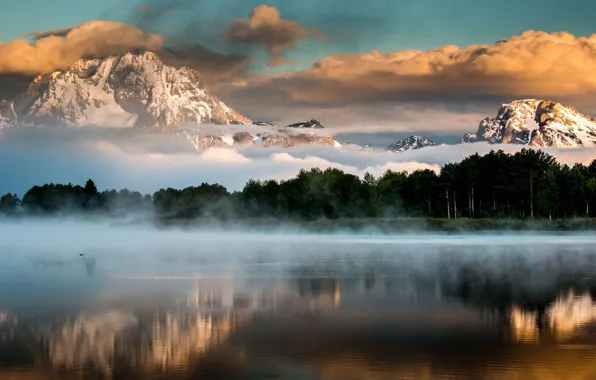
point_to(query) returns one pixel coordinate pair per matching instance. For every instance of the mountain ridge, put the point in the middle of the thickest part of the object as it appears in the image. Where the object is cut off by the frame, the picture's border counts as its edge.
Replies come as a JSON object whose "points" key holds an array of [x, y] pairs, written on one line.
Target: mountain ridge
{"points": [[131, 89], [535, 122], [410, 143]]}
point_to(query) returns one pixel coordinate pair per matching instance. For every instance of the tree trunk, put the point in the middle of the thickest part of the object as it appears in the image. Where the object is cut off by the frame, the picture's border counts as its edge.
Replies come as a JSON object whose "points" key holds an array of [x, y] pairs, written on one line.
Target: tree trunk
{"points": [[448, 208], [494, 201], [587, 209], [469, 204], [454, 205], [531, 195], [473, 200], [429, 207]]}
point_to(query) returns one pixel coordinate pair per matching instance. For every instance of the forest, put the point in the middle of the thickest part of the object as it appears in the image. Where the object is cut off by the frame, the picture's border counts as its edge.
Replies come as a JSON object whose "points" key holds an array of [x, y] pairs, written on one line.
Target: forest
{"points": [[529, 184]]}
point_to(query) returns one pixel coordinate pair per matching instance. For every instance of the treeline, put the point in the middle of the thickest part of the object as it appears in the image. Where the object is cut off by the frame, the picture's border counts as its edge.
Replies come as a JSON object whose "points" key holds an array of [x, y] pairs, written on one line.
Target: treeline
{"points": [[527, 184]]}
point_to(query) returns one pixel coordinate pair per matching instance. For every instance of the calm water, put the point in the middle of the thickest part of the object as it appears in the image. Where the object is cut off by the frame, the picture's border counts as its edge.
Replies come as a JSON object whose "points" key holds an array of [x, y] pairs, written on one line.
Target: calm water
{"points": [[202, 307]]}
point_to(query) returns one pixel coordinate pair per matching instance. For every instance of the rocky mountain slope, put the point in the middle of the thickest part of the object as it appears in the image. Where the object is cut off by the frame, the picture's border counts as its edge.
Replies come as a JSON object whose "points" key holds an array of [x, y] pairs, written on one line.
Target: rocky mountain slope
{"points": [[409, 143], [306, 124], [133, 89], [309, 124], [539, 123], [280, 138]]}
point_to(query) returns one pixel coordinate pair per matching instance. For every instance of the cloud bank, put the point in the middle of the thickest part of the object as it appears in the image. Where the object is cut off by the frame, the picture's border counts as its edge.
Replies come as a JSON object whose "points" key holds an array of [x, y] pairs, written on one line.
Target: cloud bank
{"points": [[147, 162], [535, 64], [60, 49]]}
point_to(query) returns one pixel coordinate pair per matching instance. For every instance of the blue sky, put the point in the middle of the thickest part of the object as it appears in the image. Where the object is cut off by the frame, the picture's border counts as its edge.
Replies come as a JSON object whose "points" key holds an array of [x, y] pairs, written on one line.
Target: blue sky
{"points": [[385, 25]]}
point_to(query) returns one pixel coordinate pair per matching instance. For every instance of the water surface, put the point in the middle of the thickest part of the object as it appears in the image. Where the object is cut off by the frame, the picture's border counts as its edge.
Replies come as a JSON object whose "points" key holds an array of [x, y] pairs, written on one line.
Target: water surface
{"points": [[164, 305]]}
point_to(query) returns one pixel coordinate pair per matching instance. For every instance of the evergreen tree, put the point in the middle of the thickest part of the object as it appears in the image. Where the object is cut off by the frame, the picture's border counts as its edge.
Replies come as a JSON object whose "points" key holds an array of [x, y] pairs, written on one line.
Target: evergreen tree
{"points": [[9, 203]]}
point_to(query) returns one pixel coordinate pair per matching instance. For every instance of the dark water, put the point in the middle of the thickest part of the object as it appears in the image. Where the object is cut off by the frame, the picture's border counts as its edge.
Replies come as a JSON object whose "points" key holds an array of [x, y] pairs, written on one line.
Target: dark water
{"points": [[307, 308]]}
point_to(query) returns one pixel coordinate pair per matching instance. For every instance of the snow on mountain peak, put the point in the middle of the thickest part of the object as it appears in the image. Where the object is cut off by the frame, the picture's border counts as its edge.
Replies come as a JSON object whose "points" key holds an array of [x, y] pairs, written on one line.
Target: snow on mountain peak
{"points": [[275, 138], [412, 142], [134, 88], [538, 123]]}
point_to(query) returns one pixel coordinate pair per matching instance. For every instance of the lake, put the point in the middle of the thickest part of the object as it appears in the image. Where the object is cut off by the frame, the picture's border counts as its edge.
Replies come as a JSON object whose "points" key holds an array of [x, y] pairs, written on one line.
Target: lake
{"points": [[102, 303]]}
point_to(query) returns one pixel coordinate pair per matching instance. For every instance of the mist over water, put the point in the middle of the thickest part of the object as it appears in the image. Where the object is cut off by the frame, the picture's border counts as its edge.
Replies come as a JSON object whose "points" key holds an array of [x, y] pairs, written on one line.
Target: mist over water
{"points": [[94, 300]]}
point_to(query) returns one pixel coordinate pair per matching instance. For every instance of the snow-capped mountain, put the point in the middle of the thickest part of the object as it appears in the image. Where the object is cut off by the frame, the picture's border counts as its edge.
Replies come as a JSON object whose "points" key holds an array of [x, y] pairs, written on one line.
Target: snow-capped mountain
{"points": [[279, 138], [538, 123], [306, 124], [265, 124], [309, 124], [409, 143], [133, 89], [468, 138]]}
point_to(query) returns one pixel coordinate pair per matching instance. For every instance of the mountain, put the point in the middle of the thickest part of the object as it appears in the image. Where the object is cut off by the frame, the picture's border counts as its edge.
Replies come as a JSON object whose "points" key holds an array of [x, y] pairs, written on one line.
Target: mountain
{"points": [[409, 143], [133, 89], [287, 136], [468, 138], [309, 124], [279, 138], [265, 124], [306, 124], [539, 123], [137, 89]]}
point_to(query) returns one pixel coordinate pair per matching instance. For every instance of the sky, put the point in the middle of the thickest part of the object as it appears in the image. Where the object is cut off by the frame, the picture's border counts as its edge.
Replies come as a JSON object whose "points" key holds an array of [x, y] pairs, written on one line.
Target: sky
{"points": [[371, 24], [379, 68], [341, 62]]}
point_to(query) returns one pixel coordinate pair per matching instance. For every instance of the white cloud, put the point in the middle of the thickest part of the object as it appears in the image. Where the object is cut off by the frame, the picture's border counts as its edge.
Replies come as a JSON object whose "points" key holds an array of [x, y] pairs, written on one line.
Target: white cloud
{"points": [[118, 159]]}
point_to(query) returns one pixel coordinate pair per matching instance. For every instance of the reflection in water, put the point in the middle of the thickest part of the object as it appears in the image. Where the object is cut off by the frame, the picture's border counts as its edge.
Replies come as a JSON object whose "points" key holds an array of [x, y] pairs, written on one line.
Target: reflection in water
{"points": [[177, 338], [524, 325], [437, 314], [89, 265], [565, 317], [569, 313], [87, 339]]}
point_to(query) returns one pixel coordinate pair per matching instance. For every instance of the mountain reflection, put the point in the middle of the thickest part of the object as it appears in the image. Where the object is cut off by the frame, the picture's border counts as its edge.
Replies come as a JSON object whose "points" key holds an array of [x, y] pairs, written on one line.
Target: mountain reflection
{"points": [[87, 339], [168, 338], [431, 317], [564, 317]]}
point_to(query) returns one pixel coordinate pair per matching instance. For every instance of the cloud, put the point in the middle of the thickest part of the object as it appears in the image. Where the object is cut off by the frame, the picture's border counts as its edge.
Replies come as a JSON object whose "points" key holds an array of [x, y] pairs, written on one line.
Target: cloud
{"points": [[265, 102], [60, 49], [535, 63], [280, 60], [265, 27], [117, 158], [213, 66]]}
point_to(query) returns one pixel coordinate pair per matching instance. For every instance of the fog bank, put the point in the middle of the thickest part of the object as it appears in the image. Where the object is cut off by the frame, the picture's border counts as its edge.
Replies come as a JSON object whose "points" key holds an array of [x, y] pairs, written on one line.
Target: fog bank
{"points": [[147, 162]]}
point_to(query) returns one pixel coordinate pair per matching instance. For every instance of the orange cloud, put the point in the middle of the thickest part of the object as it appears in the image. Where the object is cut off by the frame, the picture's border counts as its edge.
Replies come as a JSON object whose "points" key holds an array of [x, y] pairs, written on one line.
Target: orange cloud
{"points": [[535, 63], [60, 49], [266, 27]]}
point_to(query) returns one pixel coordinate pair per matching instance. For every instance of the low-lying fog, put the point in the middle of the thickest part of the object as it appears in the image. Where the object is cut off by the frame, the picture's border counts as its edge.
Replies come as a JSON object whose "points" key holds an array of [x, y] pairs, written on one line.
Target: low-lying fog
{"points": [[75, 250]]}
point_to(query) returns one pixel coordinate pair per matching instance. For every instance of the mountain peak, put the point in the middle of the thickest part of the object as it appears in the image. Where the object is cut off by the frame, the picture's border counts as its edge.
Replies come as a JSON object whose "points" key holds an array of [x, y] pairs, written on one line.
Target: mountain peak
{"points": [[308, 124], [131, 89], [410, 143], [537, 122]]}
